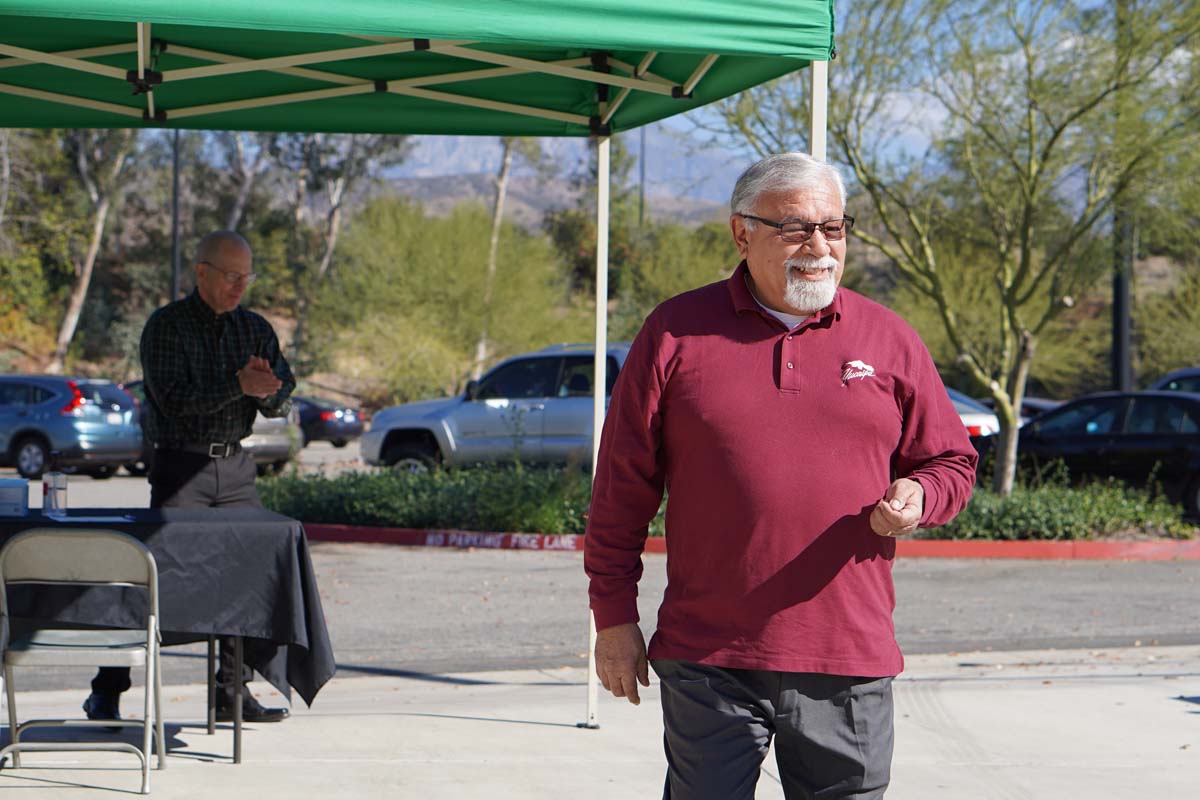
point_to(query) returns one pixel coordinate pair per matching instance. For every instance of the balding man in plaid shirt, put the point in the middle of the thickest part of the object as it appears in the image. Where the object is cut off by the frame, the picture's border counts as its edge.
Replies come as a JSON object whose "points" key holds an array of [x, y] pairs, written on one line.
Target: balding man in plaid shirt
{"points": [[210, 366]]}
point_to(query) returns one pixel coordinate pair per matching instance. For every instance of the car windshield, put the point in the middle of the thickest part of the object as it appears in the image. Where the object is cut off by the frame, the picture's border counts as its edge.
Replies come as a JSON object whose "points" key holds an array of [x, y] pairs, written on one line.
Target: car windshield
{"points": [[965, 405], [106, 395], [1183, 383]]}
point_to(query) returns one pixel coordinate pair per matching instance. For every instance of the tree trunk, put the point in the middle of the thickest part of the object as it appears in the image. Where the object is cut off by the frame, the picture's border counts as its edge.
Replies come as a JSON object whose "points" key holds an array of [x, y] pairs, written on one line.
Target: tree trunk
{"points": [[489, 280], [1008, 412], [80, 289], [331, 237], [5, 175], [1006, 454], [332, 228], [249, 173], [294, 257]]}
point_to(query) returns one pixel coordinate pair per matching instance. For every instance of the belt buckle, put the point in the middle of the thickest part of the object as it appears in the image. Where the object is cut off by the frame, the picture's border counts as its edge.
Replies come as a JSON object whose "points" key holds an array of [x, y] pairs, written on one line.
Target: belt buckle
{"points": [[218, 450]]}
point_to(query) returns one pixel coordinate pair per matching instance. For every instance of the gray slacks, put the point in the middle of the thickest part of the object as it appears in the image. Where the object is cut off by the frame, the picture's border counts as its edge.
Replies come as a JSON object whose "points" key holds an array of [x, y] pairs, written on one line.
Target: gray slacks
{"points": [[833, 733], [191, 480]]}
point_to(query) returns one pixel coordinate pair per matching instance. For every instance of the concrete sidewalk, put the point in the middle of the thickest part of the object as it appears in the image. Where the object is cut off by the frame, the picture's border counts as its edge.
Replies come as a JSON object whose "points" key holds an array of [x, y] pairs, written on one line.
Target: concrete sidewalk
{"points": [[972, 726]]}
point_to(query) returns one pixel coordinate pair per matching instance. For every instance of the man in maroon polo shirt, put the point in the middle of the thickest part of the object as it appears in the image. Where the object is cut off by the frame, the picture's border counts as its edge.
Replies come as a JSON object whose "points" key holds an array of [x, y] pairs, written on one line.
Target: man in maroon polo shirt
{"points": [[799, 428]]}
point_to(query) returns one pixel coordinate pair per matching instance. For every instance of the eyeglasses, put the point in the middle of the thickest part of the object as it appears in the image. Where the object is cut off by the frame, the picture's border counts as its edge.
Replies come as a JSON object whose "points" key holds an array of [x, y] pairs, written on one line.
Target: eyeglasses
{"points": [[232, 277], [795, 231]]}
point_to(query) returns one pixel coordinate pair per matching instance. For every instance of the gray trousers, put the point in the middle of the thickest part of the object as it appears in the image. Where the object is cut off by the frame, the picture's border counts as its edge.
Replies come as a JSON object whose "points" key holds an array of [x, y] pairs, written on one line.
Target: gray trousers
{"points": [[192, 480], [833, 734]]}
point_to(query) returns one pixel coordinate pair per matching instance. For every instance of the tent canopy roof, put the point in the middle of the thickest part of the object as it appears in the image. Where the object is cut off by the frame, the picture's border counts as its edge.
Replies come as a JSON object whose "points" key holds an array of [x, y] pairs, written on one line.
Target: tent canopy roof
{"points": [[487, 67]]}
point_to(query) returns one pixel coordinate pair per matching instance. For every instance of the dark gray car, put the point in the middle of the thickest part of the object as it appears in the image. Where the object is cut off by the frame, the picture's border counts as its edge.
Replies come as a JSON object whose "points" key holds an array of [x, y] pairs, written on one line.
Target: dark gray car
{"points": [[1181, 380], [54, 422]]}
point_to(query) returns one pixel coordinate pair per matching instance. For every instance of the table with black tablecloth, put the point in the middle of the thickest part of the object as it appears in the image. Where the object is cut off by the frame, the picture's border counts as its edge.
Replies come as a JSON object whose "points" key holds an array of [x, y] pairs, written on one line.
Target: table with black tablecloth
{"points": [[242, 572]]}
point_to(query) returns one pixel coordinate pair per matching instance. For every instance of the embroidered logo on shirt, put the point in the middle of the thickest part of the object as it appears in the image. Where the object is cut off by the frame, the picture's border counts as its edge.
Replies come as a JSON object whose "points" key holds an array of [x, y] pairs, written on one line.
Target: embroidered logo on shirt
{"points": [[856, 369]]}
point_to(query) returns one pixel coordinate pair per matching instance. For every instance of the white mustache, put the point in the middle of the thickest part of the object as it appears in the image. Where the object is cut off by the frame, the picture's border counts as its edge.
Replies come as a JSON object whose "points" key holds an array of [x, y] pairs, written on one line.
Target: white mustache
{"points": [[810, 263]]}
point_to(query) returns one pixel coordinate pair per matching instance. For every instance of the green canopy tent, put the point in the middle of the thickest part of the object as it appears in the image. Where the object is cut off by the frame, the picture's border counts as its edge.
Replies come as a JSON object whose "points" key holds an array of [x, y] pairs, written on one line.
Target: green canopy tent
{"points": [[476, 67]]}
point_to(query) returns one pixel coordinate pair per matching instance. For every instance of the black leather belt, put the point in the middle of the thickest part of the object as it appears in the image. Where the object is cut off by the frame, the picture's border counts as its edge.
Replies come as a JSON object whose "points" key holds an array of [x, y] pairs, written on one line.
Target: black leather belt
{"points": [[210, 449]]}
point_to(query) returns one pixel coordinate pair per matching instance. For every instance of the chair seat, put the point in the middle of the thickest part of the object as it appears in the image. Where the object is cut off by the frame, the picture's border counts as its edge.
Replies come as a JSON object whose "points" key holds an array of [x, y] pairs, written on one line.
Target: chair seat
{"points": [[86, 648]]}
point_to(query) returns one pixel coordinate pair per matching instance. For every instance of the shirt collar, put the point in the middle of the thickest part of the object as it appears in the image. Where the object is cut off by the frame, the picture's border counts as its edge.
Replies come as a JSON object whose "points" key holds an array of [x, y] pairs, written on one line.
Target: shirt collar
{"points": [[203, 310], [743, 300]]}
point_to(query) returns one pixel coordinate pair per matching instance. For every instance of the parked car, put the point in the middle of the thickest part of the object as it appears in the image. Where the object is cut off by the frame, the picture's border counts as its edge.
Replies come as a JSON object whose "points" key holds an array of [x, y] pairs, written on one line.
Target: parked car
{"points": [[272, 443], [978, 418], [54, 422], [324, 420], [1181, 380], [536, 407], [1133, 436], [1031, 407]]}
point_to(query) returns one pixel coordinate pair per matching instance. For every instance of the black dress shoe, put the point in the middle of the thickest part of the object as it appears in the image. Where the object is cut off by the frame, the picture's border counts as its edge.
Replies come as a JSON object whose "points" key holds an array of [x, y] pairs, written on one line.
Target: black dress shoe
{"points": [[252, 710], [103, 706]]}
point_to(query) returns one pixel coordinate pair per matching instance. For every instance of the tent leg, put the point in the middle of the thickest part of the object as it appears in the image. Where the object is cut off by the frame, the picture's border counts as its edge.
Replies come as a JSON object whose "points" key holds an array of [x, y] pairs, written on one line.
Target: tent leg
{"points": [[820, 108], [600, 380]]}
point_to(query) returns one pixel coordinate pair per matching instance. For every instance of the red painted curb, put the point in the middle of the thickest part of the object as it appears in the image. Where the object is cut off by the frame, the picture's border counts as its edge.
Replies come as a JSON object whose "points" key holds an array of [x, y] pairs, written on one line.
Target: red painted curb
{"points": [[1154, 550]]}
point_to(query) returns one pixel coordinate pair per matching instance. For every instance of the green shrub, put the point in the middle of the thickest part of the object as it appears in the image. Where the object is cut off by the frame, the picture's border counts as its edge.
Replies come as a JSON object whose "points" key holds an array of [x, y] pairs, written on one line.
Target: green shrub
{"points": [[555, 500], [1059, 512], [518, 499]]}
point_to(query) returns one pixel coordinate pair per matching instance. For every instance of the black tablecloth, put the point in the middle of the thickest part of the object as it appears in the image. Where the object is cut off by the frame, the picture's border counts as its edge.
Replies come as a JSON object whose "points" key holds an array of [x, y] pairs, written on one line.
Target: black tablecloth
{"points": [[237, 572]]}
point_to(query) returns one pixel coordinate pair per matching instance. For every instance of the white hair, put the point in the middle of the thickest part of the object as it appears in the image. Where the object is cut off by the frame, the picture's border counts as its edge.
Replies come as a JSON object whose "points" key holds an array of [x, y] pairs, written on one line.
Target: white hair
{"points": [[783, 172]]}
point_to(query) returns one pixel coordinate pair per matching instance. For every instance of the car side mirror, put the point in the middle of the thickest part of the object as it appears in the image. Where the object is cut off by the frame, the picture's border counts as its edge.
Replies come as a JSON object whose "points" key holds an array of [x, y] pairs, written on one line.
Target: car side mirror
{"points": [[472, 390]]}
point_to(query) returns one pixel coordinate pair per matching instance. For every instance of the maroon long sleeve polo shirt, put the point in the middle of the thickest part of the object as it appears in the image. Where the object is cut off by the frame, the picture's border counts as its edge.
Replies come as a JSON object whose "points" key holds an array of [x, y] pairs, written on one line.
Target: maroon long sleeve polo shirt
{"points": [[774, 445]]}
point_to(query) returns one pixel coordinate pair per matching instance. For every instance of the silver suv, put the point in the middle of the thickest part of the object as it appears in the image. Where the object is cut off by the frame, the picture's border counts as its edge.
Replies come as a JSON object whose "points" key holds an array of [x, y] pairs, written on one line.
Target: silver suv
{"points": [[535, 407]]}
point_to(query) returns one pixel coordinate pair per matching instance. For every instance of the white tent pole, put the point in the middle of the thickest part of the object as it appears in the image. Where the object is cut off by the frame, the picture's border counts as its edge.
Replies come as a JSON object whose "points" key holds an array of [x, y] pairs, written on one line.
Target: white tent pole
{"points": [[600, 382], [820, 107]]}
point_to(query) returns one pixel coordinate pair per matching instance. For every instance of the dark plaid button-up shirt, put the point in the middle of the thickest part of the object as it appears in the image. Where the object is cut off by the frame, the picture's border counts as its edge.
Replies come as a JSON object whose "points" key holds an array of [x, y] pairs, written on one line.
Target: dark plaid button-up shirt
{"points": [[190, 358]]}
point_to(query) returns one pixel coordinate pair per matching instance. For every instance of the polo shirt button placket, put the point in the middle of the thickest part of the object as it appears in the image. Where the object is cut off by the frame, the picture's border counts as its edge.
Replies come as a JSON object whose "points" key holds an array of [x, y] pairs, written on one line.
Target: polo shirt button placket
{"points": [[789, 380]]}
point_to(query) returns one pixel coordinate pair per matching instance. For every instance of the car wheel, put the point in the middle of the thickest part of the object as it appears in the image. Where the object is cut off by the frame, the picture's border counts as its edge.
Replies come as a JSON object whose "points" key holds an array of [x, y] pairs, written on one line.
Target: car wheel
{"points": [[278, 466], [102, 473], [412, 458], [137, 469], [32, 456], [339, 442]]}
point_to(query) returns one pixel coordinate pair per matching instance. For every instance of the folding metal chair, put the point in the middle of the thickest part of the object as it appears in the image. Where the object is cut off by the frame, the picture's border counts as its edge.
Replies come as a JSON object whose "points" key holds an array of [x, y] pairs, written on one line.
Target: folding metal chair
{"points": [[84, 557]]}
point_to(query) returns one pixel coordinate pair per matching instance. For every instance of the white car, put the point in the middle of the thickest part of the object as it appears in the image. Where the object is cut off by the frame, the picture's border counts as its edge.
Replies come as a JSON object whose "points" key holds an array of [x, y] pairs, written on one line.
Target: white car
{"points": [[978, 418]]}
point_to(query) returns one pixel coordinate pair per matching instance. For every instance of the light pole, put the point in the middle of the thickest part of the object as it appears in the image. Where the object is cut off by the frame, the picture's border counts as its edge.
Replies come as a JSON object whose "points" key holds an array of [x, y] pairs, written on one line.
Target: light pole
{"points": [[175, 214]]}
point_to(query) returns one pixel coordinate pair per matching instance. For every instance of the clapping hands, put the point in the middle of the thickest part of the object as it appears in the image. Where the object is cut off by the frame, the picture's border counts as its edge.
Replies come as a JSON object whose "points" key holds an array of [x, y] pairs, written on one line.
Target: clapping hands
{"points": [[257, 379]]}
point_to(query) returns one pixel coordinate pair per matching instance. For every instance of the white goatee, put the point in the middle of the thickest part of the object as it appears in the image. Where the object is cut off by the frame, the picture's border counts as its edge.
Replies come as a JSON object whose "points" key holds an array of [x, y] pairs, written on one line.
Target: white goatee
{"points": [[805, 295]]}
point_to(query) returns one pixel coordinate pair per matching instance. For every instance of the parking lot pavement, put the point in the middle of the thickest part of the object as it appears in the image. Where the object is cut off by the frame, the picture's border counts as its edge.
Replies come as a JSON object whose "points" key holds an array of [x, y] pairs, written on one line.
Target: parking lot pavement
{"points": [[324, 457], [1031, 725], [124, 491]]}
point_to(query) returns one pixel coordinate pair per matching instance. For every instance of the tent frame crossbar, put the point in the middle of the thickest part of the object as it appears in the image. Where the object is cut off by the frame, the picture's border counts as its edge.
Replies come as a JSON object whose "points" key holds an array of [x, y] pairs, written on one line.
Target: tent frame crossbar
{"points": [[70, 100], [300, 59], [589, 76], [81, 53], [66, 62], [639, 77]]}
